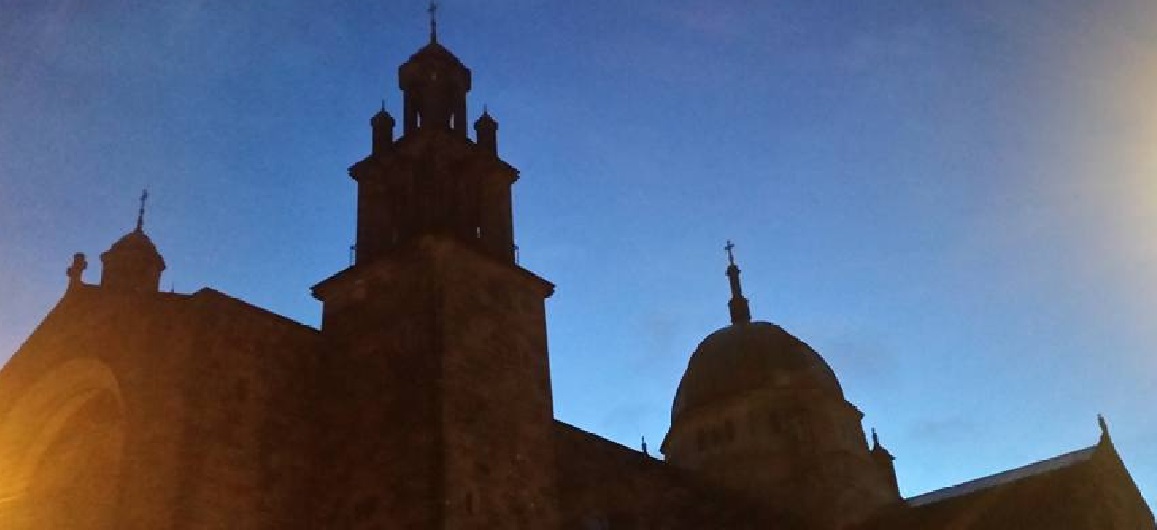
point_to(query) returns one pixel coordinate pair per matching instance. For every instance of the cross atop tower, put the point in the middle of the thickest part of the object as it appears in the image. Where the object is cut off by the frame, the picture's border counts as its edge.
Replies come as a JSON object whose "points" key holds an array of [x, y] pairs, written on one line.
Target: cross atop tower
{"points": [[729, 247], [433, 11]]}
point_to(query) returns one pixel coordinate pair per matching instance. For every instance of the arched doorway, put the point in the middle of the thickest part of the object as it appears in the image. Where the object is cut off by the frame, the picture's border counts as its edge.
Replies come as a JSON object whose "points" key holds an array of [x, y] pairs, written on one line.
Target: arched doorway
{"points": [[61, 446]]}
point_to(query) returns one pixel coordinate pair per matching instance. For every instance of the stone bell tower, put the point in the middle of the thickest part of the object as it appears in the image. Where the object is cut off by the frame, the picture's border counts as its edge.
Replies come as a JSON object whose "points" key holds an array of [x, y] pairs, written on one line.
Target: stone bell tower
{"points": [[434, 180], [443, 412]]}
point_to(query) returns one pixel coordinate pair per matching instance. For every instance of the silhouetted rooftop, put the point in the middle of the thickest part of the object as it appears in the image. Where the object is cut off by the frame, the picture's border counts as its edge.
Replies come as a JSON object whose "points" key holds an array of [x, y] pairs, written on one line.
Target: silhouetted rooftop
{"points": [[749, 356], [1005, 477]]}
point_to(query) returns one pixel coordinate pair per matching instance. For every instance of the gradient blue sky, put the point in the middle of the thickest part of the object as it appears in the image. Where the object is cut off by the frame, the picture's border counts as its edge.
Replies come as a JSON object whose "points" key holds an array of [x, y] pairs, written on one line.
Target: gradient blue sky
{"points": [[953, 201]]}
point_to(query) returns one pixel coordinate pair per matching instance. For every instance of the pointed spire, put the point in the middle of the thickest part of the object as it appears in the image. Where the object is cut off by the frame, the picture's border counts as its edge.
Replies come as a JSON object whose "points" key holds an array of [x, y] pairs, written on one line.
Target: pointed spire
{"points": [[886, 463], [485, 116], [645, 446], [382, 116], [878, 449], [433, 11], [141, 211], [1104, 427], [740, 310], [486, 120]]}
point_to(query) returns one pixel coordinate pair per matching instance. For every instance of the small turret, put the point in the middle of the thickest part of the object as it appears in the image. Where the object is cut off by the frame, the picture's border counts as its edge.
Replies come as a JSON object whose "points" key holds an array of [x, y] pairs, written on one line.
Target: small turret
{"points": [[133, 264], [486, 131], [383, 131], [885, 462]]}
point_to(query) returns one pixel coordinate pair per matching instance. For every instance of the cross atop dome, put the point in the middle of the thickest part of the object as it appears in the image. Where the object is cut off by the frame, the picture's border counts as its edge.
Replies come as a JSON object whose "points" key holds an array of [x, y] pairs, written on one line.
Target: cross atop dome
{"points": [[740, 309]]}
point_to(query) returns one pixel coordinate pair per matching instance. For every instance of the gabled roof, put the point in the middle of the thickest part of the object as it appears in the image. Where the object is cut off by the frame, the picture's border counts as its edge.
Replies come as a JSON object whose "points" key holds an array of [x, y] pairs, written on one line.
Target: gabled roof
{"points": [[213, 296], [1083, 489], [1004, 477]]}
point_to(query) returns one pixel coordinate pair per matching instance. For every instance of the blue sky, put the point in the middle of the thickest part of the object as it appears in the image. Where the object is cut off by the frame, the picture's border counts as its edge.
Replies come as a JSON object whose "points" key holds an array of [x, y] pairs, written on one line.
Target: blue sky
{"points": [[952, 201]]}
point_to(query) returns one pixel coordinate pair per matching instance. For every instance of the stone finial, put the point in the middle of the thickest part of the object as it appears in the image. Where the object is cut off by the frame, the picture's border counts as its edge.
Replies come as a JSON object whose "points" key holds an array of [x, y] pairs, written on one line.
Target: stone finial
{"points": [[75, 271]]}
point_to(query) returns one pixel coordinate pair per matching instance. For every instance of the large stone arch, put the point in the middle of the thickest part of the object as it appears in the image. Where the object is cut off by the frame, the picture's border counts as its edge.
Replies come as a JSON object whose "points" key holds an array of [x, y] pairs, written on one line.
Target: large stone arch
{"points": [[62, 449]]}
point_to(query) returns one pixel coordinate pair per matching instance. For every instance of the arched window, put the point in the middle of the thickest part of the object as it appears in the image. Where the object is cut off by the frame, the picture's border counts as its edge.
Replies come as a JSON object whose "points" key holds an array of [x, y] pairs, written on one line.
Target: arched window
{"points": [[61, 446]]}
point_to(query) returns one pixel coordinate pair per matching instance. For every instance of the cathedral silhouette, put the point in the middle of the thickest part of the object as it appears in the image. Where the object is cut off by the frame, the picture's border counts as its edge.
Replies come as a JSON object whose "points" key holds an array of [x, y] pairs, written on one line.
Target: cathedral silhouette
{"points": [[424, 398]]}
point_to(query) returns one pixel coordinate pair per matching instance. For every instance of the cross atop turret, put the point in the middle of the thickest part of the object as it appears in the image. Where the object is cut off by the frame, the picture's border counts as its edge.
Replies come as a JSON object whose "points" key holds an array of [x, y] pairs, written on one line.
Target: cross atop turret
{"points": [[141, 211], [433, 12]]}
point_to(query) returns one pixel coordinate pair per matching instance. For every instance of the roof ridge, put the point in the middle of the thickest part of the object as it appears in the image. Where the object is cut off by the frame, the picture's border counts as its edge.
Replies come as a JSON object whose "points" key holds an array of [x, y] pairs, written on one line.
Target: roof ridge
{"points": [[211, 292], [1033, 469]]}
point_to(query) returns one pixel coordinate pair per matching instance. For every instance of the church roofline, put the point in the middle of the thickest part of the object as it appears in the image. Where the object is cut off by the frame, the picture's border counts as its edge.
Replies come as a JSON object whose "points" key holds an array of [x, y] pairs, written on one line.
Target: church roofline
{"points": [[1049, 465], [707, 492], [204, 295], [212, 295]]}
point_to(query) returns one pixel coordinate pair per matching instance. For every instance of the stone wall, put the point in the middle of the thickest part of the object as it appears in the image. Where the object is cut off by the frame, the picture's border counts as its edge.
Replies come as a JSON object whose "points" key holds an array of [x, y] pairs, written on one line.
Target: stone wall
{"points": [[438, 393], [154, 410], [95, 345], [604, 485], [252, 396]]}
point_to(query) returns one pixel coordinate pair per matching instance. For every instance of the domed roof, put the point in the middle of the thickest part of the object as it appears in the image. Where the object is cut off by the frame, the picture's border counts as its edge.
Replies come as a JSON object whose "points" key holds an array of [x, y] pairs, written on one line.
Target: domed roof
{"points": [[135, 245], [747, 356], [436, 51], [433, 61]]}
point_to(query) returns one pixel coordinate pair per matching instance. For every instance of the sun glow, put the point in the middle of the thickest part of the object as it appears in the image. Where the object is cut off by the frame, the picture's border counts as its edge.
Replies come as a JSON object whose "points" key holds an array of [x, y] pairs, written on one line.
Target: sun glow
{"points": [[1105, 167], [1119, 183]]}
